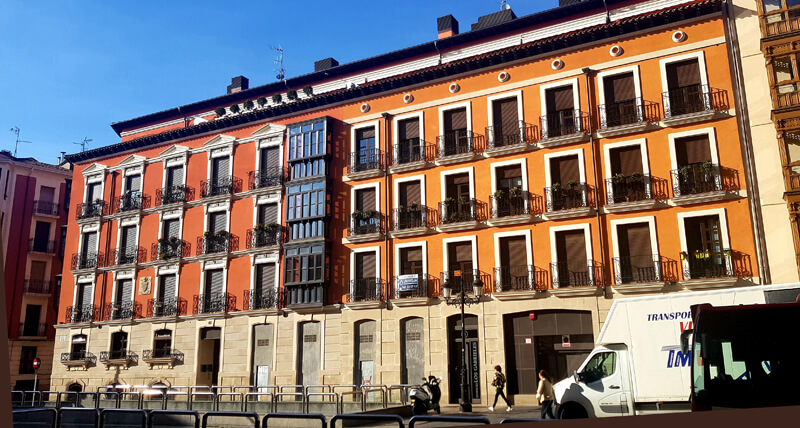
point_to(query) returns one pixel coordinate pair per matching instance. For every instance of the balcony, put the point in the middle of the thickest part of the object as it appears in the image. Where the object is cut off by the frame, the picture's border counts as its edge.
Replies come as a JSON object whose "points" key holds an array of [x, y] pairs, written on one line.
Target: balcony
{"points": [[365, 164], [130, 201], [498, 144], [213, 303], [118, 357], [78, 359], [458, 214], [173, 195], [33, 330], [627, 117], [169, 249], [465, 279], [515, 278], [456, 146], [778, 23], [412, 220], [693, 103], [37, 286], [86, 313], [263, 236], [510, 207], [563, 127], [43, 246], [629, 192], [257, 299], [411, 289], [220, 187], [87, 261], [266, 177], [45, 208], [570, 200], [365, 290], [409, 155], [365, 226], [573, 274], [222, 242], [637, 269], [708, 265], [89, 210], [304, 298], [126, 256], [122, 311], [166, 356], [697, 182], [168, 307]]}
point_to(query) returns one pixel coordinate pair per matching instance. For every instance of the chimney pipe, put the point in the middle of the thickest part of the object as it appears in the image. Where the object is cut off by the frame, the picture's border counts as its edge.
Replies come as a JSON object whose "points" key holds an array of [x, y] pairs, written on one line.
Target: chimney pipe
{"points": [[238, 83], [447, 25]]}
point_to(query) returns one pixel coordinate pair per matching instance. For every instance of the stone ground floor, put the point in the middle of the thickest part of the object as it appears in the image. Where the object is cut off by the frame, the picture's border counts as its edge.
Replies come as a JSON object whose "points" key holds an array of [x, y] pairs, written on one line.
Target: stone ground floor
{"points": [[20, 356], [388, 343]]}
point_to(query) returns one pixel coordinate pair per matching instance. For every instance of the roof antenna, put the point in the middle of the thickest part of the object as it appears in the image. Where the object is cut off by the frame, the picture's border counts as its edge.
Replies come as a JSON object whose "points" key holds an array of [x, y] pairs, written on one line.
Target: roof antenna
{"points": [[505, 6], [608, 14], [84, 143], [16, 145], [279, 62]]}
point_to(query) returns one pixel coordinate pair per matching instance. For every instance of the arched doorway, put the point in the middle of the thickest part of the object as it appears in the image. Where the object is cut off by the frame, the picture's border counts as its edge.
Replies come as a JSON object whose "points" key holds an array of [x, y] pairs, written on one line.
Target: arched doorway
{"points": [[473, 376], [412, 352], [364, 370]]}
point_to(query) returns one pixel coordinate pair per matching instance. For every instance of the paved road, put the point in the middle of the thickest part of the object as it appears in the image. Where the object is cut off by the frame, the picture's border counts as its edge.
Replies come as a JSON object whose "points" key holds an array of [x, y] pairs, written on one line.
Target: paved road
{"points": [[498, 415]]}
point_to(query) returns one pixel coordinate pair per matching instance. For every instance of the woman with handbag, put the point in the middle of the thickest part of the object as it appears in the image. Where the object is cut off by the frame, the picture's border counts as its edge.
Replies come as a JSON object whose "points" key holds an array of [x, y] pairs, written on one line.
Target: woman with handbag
{"points": [[544, 393], [499, 383]]}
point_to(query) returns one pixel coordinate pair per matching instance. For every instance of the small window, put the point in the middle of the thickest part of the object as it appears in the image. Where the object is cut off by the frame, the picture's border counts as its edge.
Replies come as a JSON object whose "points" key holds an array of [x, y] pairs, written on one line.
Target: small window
{"points": [[601, 366]]}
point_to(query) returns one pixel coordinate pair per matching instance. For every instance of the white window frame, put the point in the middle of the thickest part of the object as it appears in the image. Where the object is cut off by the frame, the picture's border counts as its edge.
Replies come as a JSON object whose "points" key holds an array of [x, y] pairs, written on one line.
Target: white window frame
{"points": [[523, 164], [377, 250], [213, 265], [642, 144], [94, 173], [398, 247], [174, 156], [81, 281], [265, 200], [376, 125], [268, 137], [712, 143], [576, 100], [443, 109], [651, 222], [490, 109], [122, 275], [561, 154], [528, 248], [133, 221], [723, 230], [209, 209], [256, 261], [354, 189], [701, 62], [397, 119], [587, 237], [157, 285], [443, 176], [472, 239], [410, 179], [601, 86], [217, 147], [93, 228]]}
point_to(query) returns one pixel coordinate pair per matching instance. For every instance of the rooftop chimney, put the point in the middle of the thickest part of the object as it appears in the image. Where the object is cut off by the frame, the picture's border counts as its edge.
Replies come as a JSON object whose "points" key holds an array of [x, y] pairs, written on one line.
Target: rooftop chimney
{"points": [[238, 83], [493, 19], [562, 3], [325, 64], [448, 26]]}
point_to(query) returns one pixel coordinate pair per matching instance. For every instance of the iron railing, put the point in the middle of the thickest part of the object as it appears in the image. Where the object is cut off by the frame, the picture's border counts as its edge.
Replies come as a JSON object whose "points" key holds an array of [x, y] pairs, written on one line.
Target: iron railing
{"points": [[260, 299], [266, 177], [167, 307], [456, 143], [121, 311], [130, 201], [85, 356], [515, 278], [365, 160], [459, 279], [162, 353], [407, 286], [89, 210], [630, 188], [263, 237], [510, 203], [566, 197], [691, 99], [37, 286], [365, 223], [118, 354], [409, 151], [219, 243], [127, 256], [496, 136], [563, 122], [42, 246], [457, 211], [213, 303], [410, 217], [628, 112], [708, 264], [696, 178], [220, 186], [169, 249], [637, 269], [85, 313], [33, 330], [45, 207], [573, 274], [87, 261], [173, 195], [365, 290]]}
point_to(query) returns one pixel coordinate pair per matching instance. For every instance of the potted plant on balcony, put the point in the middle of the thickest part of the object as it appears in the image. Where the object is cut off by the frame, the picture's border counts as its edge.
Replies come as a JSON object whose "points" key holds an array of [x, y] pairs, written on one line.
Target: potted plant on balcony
{"points": [[637, 176], [357, 215], [369, 214], [618, 178], [515, 192], [572, 184], [463, 200], [413, 206], [499, 194]]}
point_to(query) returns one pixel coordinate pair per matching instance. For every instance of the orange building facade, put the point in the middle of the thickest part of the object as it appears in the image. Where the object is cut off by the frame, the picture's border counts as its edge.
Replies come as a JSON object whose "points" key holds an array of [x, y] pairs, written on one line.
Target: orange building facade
{"points": [[556, 161]]}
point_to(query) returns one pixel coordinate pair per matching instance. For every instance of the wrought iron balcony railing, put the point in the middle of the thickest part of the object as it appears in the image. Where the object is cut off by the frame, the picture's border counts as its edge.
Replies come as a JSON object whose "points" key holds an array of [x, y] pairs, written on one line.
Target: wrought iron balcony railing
{"points": [[33, 329], [566, 196], [629, 188], [409, 151], [121, 311], [456, 143], [365, 160], [127, 256], [708, 264], [174, 354], [365, 223], [524, 133], [213, 303], [460, 279], [573, 274], [696, 178], [169, 249], [514, 202], [37, 286], [410, 286], [45, 207], [218, 243], [167, 307], [266, 177], [84, 356], [90, 210], [637, 269], [130, 201], [260, 299], [87, 261], [220, 186], [263, 236], [86, 313], [563, 122], [174, 195], [692, 99], [410, 217], [365, 290], [628, 112], [515, 278], [118, 354], [457, 211], [42, 246]]}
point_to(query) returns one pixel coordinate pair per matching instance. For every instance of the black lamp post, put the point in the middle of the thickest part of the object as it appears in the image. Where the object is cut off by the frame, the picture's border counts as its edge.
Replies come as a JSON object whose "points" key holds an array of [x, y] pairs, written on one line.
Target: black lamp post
{"points": [[462, 299]]}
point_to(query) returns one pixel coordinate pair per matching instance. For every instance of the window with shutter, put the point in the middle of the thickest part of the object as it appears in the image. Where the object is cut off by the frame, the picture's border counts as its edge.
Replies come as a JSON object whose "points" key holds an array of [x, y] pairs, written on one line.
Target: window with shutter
{"points": [[217, 222], [124, 291], [94, 192], [221, 170], [86, 295], [171, 229], [214, 282], [365, 199], [455, 120], [411, 260], [265, 278], [47, 194], [505, 121], [175, 176], [365, 265], [166, 289], [89, 244], [626, 160], [692, 150], [133, 183], [410, 192], [270, 159], [565, 169]]}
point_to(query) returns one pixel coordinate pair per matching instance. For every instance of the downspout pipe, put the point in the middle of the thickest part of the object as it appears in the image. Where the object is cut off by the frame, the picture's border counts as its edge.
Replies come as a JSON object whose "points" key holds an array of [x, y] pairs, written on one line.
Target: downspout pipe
{"points": [[108, 242], [387, 213], [598, 208]]}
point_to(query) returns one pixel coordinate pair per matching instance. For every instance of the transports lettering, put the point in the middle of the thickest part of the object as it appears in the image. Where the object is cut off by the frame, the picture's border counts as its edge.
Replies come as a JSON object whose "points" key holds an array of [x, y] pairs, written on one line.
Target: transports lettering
{"points": [[669, 316]]}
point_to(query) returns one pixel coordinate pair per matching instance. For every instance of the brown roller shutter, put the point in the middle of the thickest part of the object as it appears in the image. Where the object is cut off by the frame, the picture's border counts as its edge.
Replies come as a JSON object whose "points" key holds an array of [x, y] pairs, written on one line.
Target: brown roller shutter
{"points": [[517, 250], [460, 255], [460, 178], [626, 160], [683, 73], [408, 129], [634, 240], [506, 119], [693, 149], [455, 119], [37, 270], [365, 133], [508, 172], [410, 193], [365, 265], [411, 260], [571, 245], [365, 199], [565, 169], [619, 88], [559, 99]]}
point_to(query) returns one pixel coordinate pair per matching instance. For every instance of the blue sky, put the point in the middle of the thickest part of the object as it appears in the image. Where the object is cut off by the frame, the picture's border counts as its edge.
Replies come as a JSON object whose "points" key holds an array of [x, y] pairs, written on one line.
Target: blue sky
{"points": [[68, 68]]}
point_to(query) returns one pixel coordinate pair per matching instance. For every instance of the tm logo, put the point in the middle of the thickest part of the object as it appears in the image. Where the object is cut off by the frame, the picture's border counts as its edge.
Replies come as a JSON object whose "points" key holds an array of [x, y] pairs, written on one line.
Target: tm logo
{"points": [[676, 358]]}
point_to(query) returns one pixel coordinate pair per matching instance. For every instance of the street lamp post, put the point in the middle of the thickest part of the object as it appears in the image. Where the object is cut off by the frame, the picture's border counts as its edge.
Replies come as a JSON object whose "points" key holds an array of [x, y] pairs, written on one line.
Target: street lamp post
{"points": [[462, 300]]}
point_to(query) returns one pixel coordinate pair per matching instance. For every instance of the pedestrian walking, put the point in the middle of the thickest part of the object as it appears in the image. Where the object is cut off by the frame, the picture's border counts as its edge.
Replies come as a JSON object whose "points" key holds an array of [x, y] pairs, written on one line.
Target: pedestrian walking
{"points": [[499, 383], [544, 393]]}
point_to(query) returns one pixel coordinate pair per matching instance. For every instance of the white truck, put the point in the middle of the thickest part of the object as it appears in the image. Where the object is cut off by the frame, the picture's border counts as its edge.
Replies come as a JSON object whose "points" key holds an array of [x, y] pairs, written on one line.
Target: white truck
{"points": [[637, 366]]}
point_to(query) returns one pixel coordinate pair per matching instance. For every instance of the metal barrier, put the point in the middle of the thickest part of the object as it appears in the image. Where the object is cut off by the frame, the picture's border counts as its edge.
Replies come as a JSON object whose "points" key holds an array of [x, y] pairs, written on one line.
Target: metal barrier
{"points": [[36, 397], [148, 393], [78, 418], [478, 420], [369, 418], [280, 395], [73, 403], [87, 397], [172, 398], [322, 388], [193, 394], [219, 395], [35, 418], [49, 395], [369, 389], [403, 388], [311, 416], [21, 398], [271, 401], [137, 399], [110, 395], [358, 393], [123, 418], [334, 396], [170, 418], [251, 415], [518, 420]]}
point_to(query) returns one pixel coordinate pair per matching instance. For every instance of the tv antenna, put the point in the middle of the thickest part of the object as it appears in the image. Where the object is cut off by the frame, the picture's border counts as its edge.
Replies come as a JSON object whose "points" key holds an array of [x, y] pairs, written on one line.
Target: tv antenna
{"points": [[505, 6], [15, 130], [279, 62], [84, 143]]}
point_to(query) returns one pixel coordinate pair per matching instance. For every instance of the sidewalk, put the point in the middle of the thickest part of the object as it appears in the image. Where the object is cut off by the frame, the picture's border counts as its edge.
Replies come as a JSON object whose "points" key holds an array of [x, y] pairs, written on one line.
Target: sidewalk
{"points": [[500, 413]]}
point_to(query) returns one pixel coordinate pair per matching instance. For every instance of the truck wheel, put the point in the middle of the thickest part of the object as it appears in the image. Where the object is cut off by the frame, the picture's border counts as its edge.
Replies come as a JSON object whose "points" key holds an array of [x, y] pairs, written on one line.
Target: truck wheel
{"points": [[572, 411]]}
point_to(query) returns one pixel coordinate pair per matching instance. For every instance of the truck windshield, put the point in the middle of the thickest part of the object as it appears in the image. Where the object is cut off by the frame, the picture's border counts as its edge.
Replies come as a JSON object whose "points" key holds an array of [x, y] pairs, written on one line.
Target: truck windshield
{"points": [[745, 357], [601, 365]]}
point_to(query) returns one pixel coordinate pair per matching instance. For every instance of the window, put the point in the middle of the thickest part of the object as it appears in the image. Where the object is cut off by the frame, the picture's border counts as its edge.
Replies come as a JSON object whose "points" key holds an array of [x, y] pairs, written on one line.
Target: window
{"points": [[304, 265], [305, 210], [174, 176], [162, 343], [704, 247], [460, 265], [267, 213], [686, 87], [513, 272], [41, 240], [78, 347], [791, 156], [27, 354], [567, 187], [635, 259], [571, 264], [307, 140], [119, 345], [506, 124], [264, 290], [778, 10], [410, 147], [367, 155], [620, 104], [602, 365], [456, 138], [561, 109]]}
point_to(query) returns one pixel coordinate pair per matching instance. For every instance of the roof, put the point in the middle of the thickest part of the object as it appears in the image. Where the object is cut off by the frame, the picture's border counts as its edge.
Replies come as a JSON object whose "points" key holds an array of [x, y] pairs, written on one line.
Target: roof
{"points": [[5, 155], [394, 83]]}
